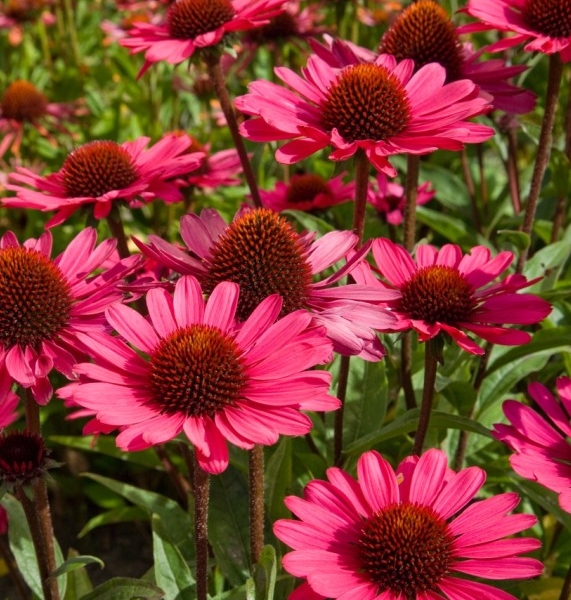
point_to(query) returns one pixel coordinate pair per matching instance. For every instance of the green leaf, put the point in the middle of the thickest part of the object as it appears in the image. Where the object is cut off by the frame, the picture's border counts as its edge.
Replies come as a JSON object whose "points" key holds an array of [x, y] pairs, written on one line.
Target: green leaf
{"points": [[228, 531], [78, 582], [309, 222], [278, 478], [77, 562], [461, 394], [451, 190], [266, 574], [172, 572], [519, 239], [123, 514], [453, 229], [124, 588], [547, 258]]}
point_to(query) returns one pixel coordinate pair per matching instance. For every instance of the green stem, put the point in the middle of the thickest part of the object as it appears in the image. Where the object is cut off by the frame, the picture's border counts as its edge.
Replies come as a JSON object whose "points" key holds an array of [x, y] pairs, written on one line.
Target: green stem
{"points": [[341, 394], [218, 83], [256, 476], [201, 496], [566, 589], [406, 370], [118, 232], [411, 192], [543, 149], [430, 366], [42, 504]]}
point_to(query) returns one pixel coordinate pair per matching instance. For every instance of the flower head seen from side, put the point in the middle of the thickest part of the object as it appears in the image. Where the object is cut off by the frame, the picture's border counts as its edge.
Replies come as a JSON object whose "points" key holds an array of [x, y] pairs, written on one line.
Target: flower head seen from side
{"points": [[307, 192], [447, 292], [23, 105], [193, 25], [382, 108], [195, 369], [543, 26], [407, 533], [45, 303], [101, 173], [264, 255], [540, 442], [388, 198]]}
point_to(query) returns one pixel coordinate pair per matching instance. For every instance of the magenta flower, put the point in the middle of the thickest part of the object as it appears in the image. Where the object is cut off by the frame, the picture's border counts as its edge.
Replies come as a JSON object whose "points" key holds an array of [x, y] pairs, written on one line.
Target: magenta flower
{"points": [[192, 25], [262, 253], [381, 108], [45, 303], [8, 399], [388, 198], [545, 26], [394, 535], [307, 192], [204, 374], [445, 292], [104, 172], [541, 441]]}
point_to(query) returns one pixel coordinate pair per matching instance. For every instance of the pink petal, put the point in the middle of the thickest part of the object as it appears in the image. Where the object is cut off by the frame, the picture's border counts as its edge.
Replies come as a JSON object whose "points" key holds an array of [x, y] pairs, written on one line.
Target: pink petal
{"points": [[377, 480]]}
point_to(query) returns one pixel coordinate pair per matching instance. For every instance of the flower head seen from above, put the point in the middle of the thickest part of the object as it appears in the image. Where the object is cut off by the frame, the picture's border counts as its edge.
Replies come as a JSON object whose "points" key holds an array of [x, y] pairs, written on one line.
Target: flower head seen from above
{"points": [[264, 255], [382, 108], [545, 25], [23, 105], [100, 173], [447, 292], [389, 200], [192, 25], [45, 303], [540, 442], [425, 33], [195, 369], [307, 192], [395, 535]]}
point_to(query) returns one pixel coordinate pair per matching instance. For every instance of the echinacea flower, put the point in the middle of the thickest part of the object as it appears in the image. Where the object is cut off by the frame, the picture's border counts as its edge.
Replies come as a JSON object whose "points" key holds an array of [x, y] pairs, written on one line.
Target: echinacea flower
{"points": [[101, 173], [389, 200], [192, 25], [382, 108], [264, 254], [425, 33], [544, 24], [307, 191], [195, 369], [45, 303], [540, 442], [395, 535], [8, 399], [23, 105], [447, 292]]}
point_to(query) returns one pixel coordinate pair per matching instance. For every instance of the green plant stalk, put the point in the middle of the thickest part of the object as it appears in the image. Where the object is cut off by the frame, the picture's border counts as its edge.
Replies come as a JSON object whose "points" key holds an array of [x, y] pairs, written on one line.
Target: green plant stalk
{"points": [[201, 497], [115, 224], [566, 589], [430, 366], [256, 480]]}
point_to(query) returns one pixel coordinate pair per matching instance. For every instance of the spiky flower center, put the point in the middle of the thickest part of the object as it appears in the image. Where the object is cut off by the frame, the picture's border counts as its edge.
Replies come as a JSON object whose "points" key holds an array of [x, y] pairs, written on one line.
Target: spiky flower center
{"points": [[552, 17], [406, 549], [22, 101], [425, 33], [187, 19], [96, 168], [22, 457], [281, 27], [438, 294], [304, 188], [197, 371], [35, 298], [262, 253], [367, 102]]}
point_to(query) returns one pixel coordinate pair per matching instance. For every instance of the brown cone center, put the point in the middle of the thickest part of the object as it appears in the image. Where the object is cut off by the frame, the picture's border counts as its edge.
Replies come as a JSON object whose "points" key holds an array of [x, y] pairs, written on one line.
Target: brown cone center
{"points": [[35, 298], [366, 102], [550, 17], [187, 19], [23, 102], [304, 188]]}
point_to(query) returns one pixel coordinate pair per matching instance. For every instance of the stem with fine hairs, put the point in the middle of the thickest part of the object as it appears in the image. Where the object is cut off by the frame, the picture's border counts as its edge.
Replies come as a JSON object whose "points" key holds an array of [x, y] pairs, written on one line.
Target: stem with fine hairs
{"points": [[471, 188], [361, 189], [201, 497], [543, 149], [561, 208], [511, 168], [117, 230], [218, 83], [256, 477], [430, 366]]}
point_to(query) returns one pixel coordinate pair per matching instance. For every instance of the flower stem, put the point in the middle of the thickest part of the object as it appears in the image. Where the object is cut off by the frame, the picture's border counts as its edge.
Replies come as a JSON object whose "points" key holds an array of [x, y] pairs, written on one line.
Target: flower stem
{"points": [[566, 589], [179, 482], [411, 192], [32, 413], [256, 475], [543, 149], [511, 168], [341, 394], [218, 83], [46, 531], [118, 232], [201, 495], [406, 370], [430, 366], [561, 208]]}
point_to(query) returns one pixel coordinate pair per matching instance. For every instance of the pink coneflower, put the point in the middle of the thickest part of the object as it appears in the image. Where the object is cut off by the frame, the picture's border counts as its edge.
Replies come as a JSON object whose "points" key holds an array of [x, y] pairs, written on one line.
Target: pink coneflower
{"points": [[380, 12], [100, 173], [8, 400], [307, 191], [204, 374], [23, 105], [380, 108], [541, 441], [544, 25], [262, 253], [14, 14], [446, 292], [394, 535], [425, 33], [45, 303], [388, 198], [192, 25]]}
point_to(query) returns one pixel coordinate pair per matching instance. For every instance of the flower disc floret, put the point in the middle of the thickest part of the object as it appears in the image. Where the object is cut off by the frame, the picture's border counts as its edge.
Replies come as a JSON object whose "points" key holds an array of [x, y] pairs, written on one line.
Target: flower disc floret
{"points": [[187, 19], [22, 101], [23, 458], [551, 18], [304, 188]]}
